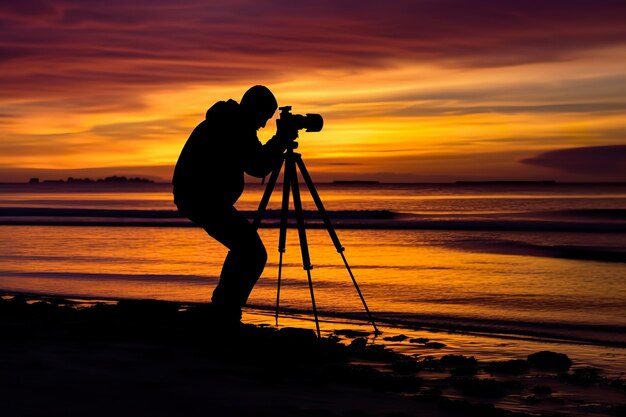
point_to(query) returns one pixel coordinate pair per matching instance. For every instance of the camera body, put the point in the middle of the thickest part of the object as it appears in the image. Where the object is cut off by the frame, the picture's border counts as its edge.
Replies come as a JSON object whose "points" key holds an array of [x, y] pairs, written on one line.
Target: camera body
{"points": [[289, 121]]}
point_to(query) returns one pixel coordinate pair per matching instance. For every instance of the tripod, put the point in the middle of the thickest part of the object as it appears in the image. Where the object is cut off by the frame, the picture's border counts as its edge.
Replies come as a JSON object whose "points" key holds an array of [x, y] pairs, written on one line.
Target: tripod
{"points": [[292, 161]]}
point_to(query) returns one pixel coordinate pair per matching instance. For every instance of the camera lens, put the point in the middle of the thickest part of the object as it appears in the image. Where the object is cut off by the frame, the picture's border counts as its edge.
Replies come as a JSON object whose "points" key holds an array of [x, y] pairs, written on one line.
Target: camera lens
{"points": [[313, 122]]}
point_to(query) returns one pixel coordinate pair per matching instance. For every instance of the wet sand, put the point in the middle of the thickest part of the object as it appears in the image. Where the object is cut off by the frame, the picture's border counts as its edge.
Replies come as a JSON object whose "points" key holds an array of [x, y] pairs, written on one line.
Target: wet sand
{"points": [[157, 358]]}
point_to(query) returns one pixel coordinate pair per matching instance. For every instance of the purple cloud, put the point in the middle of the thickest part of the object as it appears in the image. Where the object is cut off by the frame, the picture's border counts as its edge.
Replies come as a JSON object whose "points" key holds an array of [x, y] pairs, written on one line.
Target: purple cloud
{"points": [[591, 160], [51, 48]]}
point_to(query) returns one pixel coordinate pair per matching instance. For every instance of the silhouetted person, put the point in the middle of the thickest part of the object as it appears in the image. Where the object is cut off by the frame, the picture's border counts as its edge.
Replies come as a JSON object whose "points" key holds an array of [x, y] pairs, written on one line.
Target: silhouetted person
{"points": [[209, 178]]}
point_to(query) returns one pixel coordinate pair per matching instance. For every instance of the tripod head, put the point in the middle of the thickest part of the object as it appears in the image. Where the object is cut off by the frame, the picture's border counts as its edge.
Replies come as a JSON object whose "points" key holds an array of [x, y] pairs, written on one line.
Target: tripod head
{"points": [[292, 145]]}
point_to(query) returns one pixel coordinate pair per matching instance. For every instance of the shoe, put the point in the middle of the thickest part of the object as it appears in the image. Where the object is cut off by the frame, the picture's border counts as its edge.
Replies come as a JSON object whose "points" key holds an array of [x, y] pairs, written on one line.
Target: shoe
{"points": [[226, 316]]}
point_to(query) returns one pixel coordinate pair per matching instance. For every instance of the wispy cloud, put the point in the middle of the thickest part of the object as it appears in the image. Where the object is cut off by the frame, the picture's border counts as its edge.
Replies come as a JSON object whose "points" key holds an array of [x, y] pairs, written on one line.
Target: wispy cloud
{"points": [[49, 47]]}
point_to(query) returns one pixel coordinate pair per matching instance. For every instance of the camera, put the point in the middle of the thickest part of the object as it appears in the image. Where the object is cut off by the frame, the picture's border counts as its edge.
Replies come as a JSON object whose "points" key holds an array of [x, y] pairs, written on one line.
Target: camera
{"points": [[311, 122]]}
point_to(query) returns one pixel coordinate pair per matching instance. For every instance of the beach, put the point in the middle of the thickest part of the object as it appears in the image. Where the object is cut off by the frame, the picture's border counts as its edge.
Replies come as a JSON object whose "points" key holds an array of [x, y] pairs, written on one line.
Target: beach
{"points": [[466, 282], [146, 358], [65, 357]]}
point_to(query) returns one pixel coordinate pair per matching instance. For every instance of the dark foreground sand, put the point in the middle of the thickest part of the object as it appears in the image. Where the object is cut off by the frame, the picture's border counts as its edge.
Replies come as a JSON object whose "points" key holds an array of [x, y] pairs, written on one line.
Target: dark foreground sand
{"points": [[150, 358]]}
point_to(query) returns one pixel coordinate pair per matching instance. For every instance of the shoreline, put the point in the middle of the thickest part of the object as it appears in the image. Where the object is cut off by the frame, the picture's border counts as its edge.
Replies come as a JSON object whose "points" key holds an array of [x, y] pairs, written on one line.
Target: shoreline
{"points": [[616, 228], [347, 370], [431, 323], [529, 332]]}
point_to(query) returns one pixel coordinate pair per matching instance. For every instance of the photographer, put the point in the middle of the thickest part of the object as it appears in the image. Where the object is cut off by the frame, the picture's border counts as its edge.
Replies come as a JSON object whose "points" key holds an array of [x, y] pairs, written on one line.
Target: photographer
{"points": [[209, 178]]}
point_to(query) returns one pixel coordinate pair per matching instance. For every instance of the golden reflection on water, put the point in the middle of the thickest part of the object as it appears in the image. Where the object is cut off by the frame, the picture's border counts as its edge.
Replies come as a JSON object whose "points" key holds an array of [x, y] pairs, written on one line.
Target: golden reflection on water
{"points": [[398, 271]]}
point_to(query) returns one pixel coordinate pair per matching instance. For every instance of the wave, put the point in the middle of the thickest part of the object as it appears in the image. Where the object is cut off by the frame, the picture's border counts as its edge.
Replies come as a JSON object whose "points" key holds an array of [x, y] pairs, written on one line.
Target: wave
{"points": [[508, 247], [82, 212], [601, 214], [604, 221], [94, 276], [173, 214]]}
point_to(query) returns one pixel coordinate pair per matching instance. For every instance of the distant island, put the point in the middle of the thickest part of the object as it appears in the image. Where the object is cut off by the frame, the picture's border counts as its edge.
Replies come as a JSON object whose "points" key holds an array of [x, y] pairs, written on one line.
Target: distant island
{"points": [[543, 182], [355, 182], [108, 180]]}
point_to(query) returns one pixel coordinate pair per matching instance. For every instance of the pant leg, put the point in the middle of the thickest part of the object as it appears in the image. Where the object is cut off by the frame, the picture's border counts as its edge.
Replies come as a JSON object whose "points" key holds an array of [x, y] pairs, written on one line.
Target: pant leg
{"points": [[246, 257], [240, 272]]}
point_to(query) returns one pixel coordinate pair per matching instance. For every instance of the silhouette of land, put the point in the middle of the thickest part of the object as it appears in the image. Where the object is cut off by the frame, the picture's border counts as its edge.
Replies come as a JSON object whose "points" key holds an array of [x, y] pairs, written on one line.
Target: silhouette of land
{"points": [[115, 179], [541, 182], [356, 182]]}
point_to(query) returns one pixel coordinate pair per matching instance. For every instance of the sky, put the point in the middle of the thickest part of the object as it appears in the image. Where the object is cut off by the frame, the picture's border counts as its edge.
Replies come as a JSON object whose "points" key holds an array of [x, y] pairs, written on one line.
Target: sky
{"points": [[415, 90]]}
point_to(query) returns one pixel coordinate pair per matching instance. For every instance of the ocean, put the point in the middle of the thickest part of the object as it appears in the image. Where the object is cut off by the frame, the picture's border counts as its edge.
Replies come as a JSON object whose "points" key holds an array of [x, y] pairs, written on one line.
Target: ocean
{"points": [[528, 261]]}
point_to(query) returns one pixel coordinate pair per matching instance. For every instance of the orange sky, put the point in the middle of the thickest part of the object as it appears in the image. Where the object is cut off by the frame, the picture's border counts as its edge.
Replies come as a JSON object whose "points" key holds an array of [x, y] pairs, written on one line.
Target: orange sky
{"points": [[410, 91]]}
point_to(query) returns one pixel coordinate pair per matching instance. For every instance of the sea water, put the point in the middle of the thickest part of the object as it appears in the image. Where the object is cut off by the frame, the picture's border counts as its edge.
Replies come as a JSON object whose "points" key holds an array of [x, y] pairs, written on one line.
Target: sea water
{"points": [[524, 260]]}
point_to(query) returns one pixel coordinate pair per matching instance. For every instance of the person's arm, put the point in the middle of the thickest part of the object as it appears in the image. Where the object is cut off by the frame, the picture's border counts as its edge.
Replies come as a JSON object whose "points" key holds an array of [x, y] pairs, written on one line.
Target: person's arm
{"points": [[259, 160]]}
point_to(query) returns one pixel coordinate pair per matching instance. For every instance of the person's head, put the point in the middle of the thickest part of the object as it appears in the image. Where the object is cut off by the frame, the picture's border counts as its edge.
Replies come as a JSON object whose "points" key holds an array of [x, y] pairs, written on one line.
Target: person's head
{"points": [[259, 104]]}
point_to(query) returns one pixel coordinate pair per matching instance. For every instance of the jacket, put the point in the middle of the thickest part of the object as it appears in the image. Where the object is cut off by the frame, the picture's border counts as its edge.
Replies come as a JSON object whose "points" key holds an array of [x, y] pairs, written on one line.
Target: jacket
{"points": [[210, 169]]}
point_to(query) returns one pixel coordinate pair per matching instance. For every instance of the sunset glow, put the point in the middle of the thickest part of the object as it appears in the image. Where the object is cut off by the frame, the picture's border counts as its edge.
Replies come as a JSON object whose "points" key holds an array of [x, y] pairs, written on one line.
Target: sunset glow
{"points": [[410, 91]]}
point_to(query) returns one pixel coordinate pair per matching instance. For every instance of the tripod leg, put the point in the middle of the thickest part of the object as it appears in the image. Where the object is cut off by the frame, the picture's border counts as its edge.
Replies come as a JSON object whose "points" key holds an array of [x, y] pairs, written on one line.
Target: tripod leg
{"points": [[319, 205], [332, 233], [304, 247], [358, 290], [280, 268], [284, 218], [266, 196]]}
